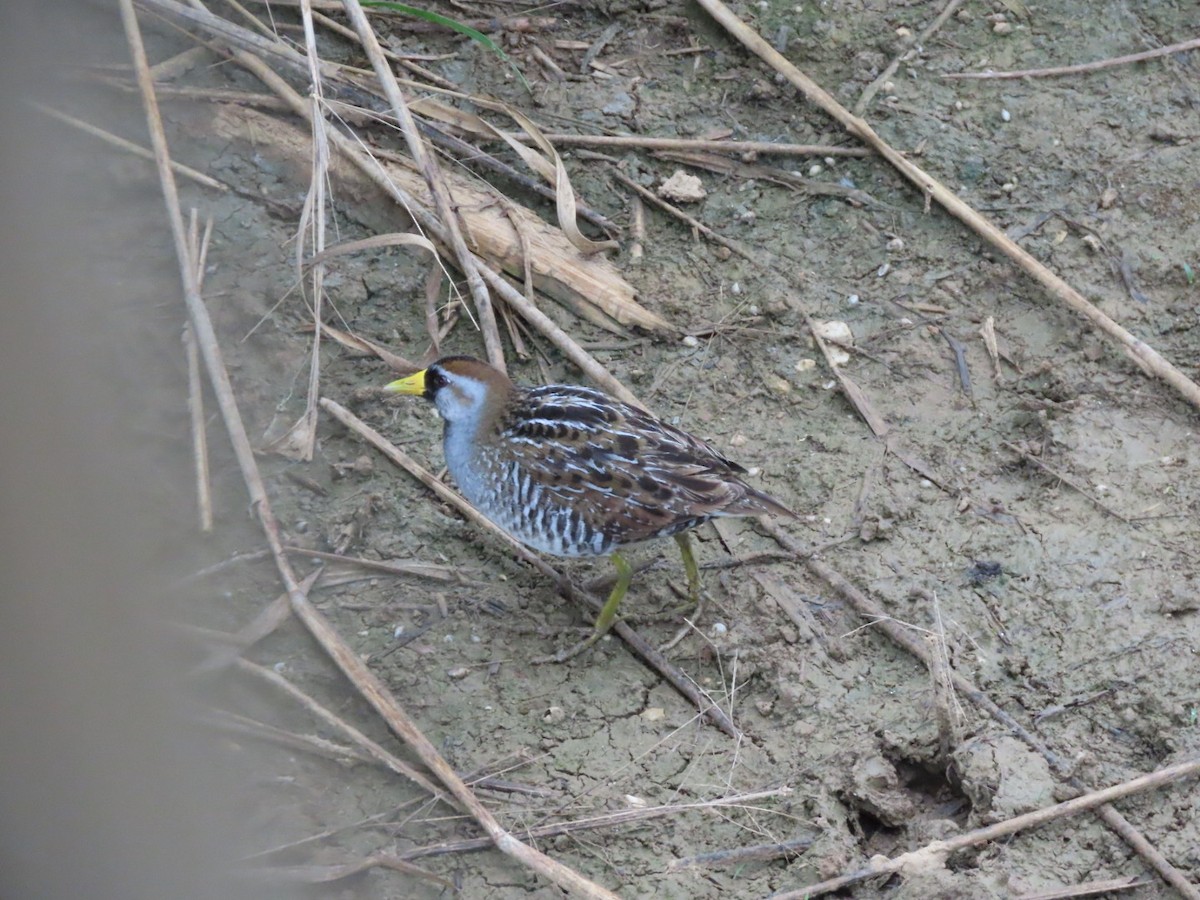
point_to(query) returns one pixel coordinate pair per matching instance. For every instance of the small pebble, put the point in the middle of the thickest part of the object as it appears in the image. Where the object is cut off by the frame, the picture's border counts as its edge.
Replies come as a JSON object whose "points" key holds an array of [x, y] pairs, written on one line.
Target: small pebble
{"points": [[397, 631], [883, 270], [735, 288], [719, 628], [1002, 28], [1005, 115], [815, 169], [776, 385], [690, 340], [895, 245], [852, 300], [458, 673]]}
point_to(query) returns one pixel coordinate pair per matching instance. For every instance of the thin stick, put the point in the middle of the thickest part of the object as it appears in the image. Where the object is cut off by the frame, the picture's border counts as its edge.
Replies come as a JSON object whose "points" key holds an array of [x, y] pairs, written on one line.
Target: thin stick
{"points": [[603, 820], [684, 217], [637, 229], [339, 28], [1089, 889], [857, 397], [177, 64], [938, 851], [918, 41], [270, 618], [359, 740], [199, 436], [1066, 479], [128, 146], [638, 142], [1193, 44], [544, 324], [199, 250], [347, 660], [739, 855], [437, 187], [308, 743], [303, 435], [1145, 355], [421, 570], [636, 642]]}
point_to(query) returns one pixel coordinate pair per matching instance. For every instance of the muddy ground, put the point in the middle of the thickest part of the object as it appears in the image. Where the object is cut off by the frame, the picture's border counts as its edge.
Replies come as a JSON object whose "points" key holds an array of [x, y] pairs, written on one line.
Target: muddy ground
{"points": [[1069, 594]]}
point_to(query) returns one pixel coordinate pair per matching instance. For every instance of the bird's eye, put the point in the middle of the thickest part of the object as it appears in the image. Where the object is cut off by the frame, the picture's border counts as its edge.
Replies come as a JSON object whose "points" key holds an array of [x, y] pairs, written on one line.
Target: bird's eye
{"points": [[435, 379]]}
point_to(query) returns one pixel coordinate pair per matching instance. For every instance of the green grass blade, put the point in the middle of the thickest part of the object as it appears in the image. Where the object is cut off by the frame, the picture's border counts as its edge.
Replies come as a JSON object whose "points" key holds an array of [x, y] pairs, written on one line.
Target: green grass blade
{"points": [[437, 19]]}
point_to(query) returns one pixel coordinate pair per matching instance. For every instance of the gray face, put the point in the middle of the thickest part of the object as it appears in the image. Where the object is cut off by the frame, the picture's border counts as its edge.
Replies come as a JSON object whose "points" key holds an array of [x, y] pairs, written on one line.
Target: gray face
{"points": [[457, 397]]}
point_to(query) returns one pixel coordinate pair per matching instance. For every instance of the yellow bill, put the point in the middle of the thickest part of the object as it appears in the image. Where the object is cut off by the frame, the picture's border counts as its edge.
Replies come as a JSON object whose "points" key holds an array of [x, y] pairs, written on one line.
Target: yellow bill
{"points": [[413, 384]]}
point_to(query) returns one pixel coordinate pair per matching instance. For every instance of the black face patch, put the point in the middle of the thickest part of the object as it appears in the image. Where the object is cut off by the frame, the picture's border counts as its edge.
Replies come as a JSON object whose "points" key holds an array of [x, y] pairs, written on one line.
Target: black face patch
{"points": [[435, 380]]}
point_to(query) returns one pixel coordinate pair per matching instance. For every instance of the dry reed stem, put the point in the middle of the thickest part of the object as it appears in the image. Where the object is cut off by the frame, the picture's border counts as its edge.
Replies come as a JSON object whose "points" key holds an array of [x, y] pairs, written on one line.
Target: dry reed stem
{"points": [[178, 64], [1193, 44], [428, 167], [431, 571], [635, 641], [637, 142], [301, 440], [199, 434], [367, 683], [1141, 352], [306, 743], [637, 229], [936, 853], [128, 146], [356, 738], [269, 618], [1089, 889], [857, 397], [602, 820]]}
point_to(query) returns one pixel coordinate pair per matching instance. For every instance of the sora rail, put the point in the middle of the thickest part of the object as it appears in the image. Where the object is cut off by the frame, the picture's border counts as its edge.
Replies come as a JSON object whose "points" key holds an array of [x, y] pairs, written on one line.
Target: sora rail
{"points": [[570, 471]]}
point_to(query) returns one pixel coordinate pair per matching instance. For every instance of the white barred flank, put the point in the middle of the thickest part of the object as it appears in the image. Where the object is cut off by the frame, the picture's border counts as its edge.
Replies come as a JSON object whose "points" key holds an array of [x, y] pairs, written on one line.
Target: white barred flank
{"points": [[569, 471]]}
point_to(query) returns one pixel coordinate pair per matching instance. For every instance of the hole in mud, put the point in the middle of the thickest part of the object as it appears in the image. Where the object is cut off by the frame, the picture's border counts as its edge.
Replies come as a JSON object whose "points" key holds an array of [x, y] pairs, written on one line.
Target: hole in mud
{"points": [[937, 795], [876, 836]]}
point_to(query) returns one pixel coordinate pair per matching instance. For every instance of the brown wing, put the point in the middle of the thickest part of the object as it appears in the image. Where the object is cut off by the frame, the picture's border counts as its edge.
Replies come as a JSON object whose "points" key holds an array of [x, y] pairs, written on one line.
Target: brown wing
{"points": [[631, 475]]}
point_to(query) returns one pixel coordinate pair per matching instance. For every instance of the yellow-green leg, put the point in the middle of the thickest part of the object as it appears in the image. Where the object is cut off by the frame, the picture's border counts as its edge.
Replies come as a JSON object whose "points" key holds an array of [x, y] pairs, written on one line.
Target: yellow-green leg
{"points": [[608, 613], [689, 566]]}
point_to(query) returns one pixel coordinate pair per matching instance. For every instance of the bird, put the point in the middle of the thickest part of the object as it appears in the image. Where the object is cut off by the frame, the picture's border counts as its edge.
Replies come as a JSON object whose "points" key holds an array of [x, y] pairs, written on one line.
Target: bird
{"points": [[572, 472]]}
